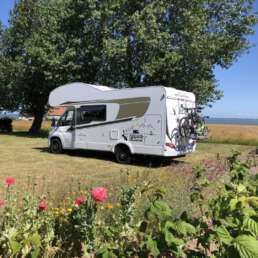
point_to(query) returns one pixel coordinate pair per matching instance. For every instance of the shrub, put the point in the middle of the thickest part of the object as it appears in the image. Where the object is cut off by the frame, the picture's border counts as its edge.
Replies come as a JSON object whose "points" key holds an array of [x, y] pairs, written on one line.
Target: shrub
{"points": [[6, 125]]}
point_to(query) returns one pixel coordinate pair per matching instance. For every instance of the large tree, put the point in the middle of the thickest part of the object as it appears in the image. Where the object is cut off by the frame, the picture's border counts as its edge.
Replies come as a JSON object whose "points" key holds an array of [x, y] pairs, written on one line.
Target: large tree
{"points": [[35, 57], [122, 43]]}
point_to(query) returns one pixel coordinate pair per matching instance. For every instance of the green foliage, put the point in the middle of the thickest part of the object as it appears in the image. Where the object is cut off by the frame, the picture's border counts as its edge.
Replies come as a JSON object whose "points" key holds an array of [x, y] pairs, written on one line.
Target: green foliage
{"points": [[119, 43], [34, 61], [226, 225], [29, 235], [127, 205], [247, 246], [83, 230], [120, 235], [238, 170], [234, 217]]}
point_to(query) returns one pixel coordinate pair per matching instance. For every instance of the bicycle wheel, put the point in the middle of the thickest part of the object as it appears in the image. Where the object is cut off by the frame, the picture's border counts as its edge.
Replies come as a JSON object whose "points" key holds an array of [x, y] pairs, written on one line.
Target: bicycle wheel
{"points": [[184, 127], [175, 137]]}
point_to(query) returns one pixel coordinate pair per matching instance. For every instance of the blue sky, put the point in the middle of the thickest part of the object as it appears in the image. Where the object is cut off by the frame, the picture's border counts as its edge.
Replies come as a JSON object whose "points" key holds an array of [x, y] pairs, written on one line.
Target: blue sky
{"points": [[239, 83]]}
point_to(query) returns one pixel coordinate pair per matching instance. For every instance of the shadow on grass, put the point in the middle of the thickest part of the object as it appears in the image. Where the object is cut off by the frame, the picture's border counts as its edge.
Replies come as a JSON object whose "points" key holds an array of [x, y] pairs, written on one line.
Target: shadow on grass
{"points": [[42, 134], [138, 160]]}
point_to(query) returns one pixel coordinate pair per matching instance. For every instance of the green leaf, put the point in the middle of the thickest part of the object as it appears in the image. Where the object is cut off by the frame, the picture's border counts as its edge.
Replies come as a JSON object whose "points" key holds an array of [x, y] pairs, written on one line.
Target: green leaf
{"points": [[172, 240], [35, 253], [181, 227], [253, 201], [247, 246], [241, 188], [161, 209], [152, 247], [232, 204], [169, 237], [223, 235], [35, 240], [15, 246], [104, 252], [251, 225]]}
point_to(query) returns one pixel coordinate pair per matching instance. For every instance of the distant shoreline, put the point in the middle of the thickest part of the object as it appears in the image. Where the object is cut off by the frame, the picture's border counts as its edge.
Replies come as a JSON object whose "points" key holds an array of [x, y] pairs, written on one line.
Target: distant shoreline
{"points": [[232, 121]]}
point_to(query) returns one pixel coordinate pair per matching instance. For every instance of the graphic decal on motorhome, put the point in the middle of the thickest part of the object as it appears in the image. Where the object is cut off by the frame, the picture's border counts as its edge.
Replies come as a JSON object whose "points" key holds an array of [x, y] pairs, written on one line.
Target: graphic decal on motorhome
{"points": [[128, 107], [136, 132], [138, 127], [135, 107], [136, 137]]}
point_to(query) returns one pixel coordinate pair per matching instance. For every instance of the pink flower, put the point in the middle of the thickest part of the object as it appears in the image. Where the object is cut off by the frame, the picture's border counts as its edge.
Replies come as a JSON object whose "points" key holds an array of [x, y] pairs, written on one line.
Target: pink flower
{"points": [[1, 203], [80, 200], [10, 181], [210, 178], [42, 205], [99, 194]]}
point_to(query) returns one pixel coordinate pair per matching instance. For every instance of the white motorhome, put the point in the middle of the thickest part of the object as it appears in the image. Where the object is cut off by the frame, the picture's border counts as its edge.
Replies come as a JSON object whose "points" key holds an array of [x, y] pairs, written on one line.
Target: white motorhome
{"points": [[123, 121]]}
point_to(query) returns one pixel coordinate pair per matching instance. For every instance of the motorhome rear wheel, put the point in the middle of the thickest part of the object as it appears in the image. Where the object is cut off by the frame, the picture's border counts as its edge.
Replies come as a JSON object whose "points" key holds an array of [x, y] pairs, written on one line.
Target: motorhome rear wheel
{"points": [[123, 154]]}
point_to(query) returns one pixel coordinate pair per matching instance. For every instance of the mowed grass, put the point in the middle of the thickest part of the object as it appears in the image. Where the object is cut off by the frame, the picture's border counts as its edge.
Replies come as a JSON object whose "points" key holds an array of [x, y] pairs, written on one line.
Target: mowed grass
{"points": [[27, 158]]}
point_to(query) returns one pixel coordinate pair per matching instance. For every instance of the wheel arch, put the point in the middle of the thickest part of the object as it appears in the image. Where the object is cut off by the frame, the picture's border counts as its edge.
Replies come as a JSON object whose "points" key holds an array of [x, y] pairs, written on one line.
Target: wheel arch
{"points": [[125, 145], [58, 138]]}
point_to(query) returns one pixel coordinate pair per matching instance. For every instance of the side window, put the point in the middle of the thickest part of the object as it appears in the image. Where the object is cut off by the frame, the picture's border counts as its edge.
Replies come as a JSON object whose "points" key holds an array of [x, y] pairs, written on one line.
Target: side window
{"points": [[67, 118], [87, 114]]}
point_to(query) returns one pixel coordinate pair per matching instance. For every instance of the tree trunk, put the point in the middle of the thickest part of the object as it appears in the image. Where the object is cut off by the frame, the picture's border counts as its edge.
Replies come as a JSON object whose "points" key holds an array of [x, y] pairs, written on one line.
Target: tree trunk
{"points": [[37, 122]]}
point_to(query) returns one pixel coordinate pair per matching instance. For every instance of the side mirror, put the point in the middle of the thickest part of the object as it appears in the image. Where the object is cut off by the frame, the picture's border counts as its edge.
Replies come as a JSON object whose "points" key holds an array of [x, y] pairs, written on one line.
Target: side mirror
{"points": [[54, 122]]}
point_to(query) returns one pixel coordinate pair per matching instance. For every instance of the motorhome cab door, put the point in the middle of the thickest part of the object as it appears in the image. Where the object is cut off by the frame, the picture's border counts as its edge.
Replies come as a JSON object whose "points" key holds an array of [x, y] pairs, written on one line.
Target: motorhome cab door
{"points": [[65, 127], [87, 134]]}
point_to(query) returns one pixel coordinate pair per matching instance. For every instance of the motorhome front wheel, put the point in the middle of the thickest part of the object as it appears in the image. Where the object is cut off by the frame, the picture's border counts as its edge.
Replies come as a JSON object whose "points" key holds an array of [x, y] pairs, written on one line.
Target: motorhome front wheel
{"points": [[56, 146]]}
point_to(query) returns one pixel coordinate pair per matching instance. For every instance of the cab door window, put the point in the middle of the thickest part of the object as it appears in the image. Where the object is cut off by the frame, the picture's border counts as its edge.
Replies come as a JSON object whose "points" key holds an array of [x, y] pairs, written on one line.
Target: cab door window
{"points": [[67, 119]]}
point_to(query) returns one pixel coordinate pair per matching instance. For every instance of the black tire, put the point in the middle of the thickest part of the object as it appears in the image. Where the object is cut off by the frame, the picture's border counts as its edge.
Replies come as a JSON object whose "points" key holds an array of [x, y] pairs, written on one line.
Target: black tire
{"points": [[123, 154], [56, 146]]}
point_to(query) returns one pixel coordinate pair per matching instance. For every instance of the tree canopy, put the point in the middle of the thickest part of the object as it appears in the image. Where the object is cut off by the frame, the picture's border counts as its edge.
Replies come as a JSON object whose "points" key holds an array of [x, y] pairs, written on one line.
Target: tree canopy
{"points": [[120, 43]]}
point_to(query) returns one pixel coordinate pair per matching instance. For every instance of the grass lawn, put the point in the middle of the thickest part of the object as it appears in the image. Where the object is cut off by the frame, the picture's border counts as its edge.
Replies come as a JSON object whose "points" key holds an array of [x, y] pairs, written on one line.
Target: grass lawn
{"points": [[27, 158]]}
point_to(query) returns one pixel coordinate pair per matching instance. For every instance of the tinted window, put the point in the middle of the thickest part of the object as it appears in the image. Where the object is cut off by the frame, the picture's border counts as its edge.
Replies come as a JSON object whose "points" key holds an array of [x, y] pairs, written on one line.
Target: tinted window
{"points": [[67, 118], [87, 114]]}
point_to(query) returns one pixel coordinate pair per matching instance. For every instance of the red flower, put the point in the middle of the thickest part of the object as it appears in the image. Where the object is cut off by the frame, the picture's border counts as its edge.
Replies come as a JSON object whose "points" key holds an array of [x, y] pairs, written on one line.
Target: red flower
{"points": [[99, 194], [42, 205], [80, 200], [1, 203], [10, 181]]}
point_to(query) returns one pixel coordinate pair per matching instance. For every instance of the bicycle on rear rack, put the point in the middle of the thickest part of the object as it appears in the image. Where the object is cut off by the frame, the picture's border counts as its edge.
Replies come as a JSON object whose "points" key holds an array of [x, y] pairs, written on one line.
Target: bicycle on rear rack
{"points": [[193, 124]]}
